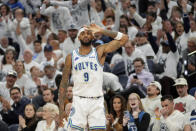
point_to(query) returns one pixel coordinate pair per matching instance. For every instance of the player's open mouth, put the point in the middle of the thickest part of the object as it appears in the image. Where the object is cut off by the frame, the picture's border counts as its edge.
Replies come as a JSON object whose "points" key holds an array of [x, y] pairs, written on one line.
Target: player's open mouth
{"points": [[133, 104]]}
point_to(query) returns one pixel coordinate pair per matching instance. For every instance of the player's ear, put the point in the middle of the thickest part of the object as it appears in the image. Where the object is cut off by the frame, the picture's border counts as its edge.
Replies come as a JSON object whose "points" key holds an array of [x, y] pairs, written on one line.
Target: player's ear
{"points": [[79, 37]]}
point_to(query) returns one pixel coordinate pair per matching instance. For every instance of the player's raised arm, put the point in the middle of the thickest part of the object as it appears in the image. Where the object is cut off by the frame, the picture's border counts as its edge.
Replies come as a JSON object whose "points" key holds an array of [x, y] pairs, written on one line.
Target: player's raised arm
{"points": [[64, 85], [120, 39]]}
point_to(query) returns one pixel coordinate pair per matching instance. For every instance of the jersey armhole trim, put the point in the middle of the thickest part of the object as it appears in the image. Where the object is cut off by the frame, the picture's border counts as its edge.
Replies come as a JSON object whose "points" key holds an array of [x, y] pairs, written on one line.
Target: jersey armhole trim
{"points": [[97, 58]]}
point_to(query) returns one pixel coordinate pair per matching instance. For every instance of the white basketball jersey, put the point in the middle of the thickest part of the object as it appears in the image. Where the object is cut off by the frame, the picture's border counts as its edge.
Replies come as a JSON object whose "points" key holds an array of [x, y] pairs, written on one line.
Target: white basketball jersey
{"points": [[87, 74]]}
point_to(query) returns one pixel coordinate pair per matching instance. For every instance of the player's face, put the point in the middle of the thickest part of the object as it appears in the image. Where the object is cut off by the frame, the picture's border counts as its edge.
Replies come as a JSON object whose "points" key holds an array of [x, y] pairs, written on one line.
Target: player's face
{"points": [[117, 104], [86, 38], [182, 90]]}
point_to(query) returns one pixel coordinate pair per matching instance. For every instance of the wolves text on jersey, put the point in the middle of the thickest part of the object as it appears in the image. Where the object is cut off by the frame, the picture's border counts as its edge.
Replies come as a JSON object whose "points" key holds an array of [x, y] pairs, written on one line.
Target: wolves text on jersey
{"points": [[86, 65]]}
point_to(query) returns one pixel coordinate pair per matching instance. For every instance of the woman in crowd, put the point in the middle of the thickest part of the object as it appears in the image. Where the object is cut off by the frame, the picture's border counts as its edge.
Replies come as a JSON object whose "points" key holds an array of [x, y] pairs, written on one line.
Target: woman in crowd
{"points": [[4, 12], [50, 111], [22, 77], [115, 118], [135, 118], [8, 61], [29, 122]]}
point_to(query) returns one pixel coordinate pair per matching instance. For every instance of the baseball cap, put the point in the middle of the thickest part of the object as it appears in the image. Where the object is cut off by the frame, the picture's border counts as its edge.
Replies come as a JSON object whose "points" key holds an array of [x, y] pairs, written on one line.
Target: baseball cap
{"points": [[48, 48], [12, 73], [164, 43], [73, 27], [156, 83], [180, 81], [140, 34]]}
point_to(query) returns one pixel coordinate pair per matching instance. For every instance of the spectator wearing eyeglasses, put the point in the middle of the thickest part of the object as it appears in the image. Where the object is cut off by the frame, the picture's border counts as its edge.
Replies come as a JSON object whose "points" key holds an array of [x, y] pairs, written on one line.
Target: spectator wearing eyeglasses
{"points": [[10, 112]]}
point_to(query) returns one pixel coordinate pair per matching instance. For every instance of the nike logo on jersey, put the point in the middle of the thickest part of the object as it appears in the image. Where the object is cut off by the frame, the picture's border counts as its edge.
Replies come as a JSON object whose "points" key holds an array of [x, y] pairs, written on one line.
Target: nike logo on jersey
{"points": [[76, 58], [91, 56]]}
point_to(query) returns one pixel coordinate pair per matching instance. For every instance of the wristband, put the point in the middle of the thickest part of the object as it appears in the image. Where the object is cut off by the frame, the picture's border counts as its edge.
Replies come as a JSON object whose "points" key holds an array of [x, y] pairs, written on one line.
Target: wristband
{"points": [[157, 118], [118, 36]]}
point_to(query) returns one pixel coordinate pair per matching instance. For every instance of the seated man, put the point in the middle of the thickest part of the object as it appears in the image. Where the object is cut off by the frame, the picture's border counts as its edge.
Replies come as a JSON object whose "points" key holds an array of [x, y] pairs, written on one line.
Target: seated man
{"points": [[50, 75], [185, 102], [41, 100], [138, 81], [153, 99], [168, 119], [10, 113]]}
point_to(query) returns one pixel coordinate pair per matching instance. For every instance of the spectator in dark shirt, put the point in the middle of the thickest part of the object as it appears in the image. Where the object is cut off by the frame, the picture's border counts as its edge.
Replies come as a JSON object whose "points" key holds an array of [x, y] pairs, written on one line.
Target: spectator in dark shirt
{"points": [[3, 126], [29, 122], [10, 113]]}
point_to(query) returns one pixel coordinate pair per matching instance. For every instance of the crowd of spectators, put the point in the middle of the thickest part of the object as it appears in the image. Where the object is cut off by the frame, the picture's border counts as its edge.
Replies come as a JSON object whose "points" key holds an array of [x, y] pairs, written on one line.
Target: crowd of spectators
{"points": [[149, 84]]}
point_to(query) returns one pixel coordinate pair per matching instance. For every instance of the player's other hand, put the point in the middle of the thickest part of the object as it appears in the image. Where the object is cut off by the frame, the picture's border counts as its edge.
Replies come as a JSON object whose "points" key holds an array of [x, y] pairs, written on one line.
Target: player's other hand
{"points": [[94, 28], [59, 121]]}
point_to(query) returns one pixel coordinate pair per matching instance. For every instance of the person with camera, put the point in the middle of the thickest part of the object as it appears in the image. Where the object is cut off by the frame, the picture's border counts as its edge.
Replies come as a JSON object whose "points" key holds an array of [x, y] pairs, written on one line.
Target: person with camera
{"points": [[138, 81], [135, 119]]}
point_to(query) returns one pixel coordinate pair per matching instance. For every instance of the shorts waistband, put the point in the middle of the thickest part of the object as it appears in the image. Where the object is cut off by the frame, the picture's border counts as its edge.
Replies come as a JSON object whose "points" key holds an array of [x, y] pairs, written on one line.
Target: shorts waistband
{"points": [[89, 97]]}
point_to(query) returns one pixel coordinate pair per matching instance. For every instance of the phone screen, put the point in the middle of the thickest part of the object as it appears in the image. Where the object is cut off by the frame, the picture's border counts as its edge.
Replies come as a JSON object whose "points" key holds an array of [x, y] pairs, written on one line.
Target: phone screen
{"points": [[126, 114]]}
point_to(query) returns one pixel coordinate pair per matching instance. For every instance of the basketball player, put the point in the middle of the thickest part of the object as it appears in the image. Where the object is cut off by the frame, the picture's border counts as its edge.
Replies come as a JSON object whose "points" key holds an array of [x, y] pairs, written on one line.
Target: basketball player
{"points": [[85, 64]]}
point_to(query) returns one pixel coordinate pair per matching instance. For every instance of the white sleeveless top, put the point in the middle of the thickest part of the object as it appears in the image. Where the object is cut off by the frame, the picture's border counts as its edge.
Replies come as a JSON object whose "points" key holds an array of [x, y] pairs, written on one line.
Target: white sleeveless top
{"points": [[87, 74]]}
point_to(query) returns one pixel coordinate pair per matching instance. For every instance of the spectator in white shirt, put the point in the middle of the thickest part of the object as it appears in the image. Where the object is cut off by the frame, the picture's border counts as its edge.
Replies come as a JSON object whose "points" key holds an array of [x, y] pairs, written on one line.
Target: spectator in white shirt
{"points": [[28, 62], [6, 86], [130, 53], [185, 102], [8, 61], [49, 60], [38, 55], [22, 77], [57, 53], [31, 87], [50, 111], [60, 17], [132, 30], [72, 41], [50, 75], [168, 119], [62, 36], [153, 99], [23, 21], [143, 44], [78, 10]]}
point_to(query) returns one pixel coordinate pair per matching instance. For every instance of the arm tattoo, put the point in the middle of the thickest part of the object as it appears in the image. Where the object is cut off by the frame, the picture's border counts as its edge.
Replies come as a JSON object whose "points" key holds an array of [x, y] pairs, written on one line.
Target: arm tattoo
{"points": [[63, 86], [109, 33]]}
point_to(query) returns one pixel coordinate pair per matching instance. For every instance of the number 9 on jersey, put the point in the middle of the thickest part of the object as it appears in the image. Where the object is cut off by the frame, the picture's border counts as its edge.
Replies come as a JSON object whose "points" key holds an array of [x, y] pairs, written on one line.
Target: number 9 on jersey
{"points": [[86, 77]]}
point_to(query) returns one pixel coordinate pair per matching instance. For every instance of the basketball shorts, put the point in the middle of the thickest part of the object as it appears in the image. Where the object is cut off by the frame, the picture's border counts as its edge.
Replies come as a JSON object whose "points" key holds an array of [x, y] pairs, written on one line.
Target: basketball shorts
{"points": [[87, 113]]}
